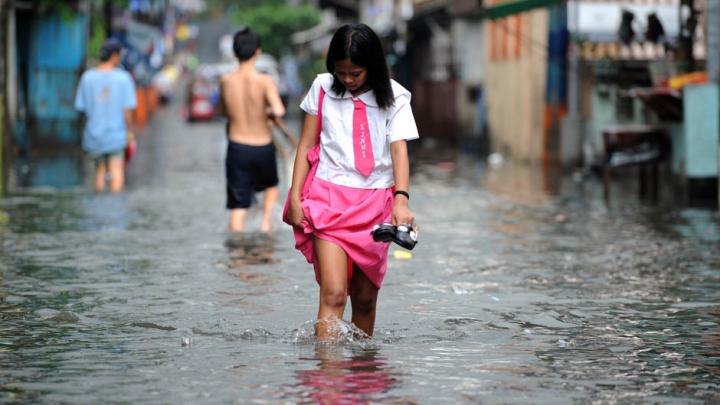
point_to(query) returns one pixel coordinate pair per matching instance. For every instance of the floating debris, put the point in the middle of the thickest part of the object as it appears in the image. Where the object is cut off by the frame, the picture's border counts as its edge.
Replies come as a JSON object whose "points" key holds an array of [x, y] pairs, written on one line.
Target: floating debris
{"points": [[64, 317], [563, 343], [496, 159], [151, 325], [459, 290]]}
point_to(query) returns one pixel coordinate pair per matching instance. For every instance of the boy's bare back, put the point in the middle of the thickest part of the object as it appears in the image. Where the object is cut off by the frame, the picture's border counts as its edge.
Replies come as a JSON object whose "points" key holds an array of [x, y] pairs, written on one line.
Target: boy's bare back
{"points": [[248, 98]]}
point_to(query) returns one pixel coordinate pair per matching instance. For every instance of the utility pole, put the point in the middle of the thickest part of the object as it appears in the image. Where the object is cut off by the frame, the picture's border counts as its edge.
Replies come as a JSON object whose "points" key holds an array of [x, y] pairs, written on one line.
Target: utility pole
{"points": [[572, 131], [2, 96]]}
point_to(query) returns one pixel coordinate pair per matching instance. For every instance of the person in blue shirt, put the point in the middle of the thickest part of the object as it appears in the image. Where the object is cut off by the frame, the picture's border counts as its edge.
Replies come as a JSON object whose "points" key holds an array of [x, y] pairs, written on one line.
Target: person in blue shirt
{"points": [[106, 95]]}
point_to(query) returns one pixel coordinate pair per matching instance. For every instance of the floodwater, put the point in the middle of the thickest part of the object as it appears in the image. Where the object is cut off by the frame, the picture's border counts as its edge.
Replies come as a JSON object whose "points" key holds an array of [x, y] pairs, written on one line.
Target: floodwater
{"points": [[513, 296]]}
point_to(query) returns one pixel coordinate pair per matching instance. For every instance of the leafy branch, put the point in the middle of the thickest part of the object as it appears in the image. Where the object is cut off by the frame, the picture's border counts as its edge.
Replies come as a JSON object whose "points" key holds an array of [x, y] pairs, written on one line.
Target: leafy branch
{"points": [[275, 23]]}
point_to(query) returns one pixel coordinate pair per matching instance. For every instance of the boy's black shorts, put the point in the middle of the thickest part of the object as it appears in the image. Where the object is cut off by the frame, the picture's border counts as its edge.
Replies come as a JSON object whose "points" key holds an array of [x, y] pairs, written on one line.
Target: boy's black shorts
{"points": [[249, 169]]}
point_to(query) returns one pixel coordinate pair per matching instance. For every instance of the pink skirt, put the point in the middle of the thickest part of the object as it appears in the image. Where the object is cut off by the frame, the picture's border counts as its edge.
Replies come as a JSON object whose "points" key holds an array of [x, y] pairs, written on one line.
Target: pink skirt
{"points": [[345, 216]]}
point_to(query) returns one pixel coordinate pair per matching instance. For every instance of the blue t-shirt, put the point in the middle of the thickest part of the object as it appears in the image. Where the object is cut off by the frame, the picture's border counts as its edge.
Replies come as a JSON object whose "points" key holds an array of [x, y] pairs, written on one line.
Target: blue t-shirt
{"points": [[103, 97]]}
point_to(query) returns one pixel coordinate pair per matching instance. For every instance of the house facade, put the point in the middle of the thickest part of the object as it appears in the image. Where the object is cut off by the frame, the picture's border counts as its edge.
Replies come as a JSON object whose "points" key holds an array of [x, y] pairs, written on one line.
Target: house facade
{"points": [[523, 124], [446, 55]]}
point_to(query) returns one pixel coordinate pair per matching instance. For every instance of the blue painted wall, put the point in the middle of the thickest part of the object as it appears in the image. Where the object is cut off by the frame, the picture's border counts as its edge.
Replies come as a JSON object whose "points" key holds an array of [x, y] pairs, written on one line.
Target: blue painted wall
{"points": [[702, 129], [52, 67]]}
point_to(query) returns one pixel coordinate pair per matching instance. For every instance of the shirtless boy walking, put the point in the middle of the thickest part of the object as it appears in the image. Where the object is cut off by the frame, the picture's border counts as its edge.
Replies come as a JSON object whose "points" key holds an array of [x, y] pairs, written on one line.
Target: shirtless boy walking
{"points": [[249, 98]]}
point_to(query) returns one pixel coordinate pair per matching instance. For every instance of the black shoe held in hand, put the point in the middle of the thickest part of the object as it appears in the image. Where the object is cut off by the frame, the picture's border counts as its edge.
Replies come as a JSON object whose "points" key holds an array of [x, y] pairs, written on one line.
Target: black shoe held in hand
{"points": [[384, 232], [404, 235]]}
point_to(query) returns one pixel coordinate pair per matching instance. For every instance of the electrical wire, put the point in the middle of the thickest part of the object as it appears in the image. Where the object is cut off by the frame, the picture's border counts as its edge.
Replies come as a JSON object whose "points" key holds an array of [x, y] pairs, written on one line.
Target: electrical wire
{"points": [[529, 41]]}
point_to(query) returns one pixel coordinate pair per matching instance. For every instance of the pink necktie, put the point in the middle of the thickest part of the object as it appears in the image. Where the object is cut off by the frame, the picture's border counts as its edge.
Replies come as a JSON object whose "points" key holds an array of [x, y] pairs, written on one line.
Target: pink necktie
{"points": [[364, 159]]}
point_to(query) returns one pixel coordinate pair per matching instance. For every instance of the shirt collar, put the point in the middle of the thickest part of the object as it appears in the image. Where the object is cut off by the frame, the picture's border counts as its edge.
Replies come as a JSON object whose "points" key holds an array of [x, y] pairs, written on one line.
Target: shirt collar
{"points": [[327, 80]]}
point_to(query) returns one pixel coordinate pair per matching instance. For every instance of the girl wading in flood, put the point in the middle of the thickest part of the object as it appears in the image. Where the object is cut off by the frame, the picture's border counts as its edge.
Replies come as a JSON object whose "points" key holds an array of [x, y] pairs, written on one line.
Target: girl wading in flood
{"points": [[352, 173]]}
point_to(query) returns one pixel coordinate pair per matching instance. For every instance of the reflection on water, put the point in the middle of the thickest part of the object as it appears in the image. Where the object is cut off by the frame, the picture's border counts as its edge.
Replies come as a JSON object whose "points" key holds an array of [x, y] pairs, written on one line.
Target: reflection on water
{"points": [[57, 171], [699, 224], [106, 212], [250, 248], [349, 369], [346, 376], [65, 212]]}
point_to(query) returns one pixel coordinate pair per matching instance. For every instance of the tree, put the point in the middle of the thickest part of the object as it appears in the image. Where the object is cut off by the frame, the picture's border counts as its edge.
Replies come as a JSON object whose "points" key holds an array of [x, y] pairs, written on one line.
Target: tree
{"points": [[275, 22], [67, 7], [243, 4]]}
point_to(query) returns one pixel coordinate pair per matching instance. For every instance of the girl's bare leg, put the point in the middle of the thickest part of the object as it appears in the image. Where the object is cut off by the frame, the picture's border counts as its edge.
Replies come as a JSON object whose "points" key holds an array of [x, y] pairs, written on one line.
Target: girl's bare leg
{"points": [[363, 296], [237, 219], [271, 197], [333, 285]]}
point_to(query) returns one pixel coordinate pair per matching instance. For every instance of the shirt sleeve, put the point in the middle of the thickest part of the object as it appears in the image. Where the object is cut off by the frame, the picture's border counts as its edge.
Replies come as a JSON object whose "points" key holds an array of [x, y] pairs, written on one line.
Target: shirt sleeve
{"points": [[310, 103], [80, 103], [401, 121], [130, 99]]}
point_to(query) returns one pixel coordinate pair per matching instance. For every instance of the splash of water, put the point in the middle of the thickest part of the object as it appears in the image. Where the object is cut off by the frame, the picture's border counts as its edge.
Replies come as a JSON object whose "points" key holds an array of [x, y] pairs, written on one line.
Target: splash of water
{"points": [[336, 332]]}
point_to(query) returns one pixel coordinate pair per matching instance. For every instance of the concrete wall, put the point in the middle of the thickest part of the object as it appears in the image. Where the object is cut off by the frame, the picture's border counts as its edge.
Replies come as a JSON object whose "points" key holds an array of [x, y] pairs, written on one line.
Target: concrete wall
{"points": [[515, 84], [604, 113]]}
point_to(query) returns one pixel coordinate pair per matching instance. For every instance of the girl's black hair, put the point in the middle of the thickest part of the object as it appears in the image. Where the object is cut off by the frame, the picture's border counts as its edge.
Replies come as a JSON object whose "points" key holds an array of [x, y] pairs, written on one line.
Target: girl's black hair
{"points": [[361, 45], [245, 43]]}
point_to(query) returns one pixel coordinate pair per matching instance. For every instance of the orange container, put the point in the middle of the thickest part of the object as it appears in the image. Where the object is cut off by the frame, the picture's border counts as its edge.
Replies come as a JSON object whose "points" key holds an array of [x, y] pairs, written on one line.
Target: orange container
{"points": [[678, 82], [141, 112]]}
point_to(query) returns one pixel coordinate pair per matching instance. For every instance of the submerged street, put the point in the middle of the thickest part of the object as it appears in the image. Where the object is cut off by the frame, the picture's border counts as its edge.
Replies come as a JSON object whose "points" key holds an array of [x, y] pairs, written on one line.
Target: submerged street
{"points": [[512, 296]]}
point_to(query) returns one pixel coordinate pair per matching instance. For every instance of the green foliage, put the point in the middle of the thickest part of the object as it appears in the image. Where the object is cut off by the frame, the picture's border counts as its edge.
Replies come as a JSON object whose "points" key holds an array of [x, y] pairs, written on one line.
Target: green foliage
{"points": [[243, 4], [310, 68], [98, 35], [275, 23], [67, 8], [70, 5]]}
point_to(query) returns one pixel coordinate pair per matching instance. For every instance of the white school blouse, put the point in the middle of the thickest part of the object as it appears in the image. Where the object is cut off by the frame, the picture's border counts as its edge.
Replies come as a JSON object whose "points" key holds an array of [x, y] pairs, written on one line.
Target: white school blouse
{"points": [[337, 158]]}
